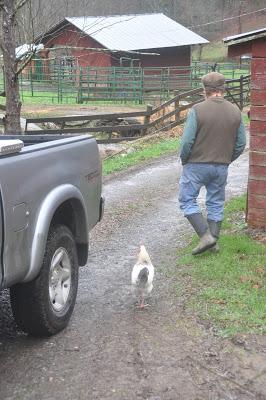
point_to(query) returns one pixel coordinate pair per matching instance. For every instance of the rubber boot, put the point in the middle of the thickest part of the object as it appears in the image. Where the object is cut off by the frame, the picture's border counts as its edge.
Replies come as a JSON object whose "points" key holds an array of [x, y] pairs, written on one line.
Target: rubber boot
{"points": [[201, 228], [215, 228]]}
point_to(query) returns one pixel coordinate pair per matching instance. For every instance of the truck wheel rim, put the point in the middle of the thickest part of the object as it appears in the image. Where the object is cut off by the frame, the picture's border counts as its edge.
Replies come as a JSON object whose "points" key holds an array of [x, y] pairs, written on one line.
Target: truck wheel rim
{"points": [[59, 279]]}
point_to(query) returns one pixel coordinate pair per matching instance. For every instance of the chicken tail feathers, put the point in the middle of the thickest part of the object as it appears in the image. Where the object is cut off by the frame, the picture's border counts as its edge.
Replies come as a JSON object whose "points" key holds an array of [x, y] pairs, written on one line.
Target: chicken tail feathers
{"points": [[143, 276]]}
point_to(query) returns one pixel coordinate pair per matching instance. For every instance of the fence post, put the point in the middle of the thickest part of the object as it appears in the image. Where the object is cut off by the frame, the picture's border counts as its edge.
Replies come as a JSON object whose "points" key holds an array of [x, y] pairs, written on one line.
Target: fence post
{"points": [[241, 100], [58, 84], [31, 82], [21, 92], [86, 80], [79, 97], [142, 93], [147, 119], [4, 81], [176, 105]]}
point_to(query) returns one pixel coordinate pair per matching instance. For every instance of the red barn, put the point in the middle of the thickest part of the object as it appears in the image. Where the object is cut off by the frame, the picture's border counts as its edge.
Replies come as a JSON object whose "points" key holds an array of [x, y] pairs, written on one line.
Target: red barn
{"points": [[120, 39], [254, 43]]}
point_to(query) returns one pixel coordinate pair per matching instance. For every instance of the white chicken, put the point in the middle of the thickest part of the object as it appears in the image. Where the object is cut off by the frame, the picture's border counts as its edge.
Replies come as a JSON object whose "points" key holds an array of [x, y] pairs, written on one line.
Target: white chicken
{"points": [[142, 276]]}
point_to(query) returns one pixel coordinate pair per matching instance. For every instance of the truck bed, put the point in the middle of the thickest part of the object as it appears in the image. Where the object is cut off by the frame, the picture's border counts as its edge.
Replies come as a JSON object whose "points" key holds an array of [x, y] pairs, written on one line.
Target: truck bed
{"points": [[37, 139]]}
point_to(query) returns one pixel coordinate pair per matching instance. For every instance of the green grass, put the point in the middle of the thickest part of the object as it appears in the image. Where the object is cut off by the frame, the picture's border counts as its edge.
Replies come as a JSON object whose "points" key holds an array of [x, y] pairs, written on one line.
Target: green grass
{"points": [[141, 154], [245, 119], [211, 52], [48, 98], [229, 288]]}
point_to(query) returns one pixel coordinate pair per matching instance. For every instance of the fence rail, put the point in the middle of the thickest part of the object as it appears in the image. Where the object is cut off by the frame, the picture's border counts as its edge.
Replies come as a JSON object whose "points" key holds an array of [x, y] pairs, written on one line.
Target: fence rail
{"points": [[165, 116], [61, 84], [161, 115], [238, 91]]}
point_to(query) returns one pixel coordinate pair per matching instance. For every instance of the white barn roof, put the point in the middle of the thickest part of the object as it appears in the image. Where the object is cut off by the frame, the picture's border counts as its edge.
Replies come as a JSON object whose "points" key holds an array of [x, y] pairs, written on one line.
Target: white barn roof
{"points": [[246, 36], [136, 32]]}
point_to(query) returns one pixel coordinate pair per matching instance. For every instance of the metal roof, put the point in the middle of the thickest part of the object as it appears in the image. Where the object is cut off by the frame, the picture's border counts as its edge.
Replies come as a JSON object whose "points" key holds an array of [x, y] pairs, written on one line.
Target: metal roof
{"points": [[26, 49], [245, 37], [136, 32]]}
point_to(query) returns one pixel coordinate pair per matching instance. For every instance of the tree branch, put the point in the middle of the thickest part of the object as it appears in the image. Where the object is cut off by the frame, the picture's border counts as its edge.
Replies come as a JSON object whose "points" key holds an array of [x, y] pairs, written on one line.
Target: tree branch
{"points": [[19, 5], [29, 57]]}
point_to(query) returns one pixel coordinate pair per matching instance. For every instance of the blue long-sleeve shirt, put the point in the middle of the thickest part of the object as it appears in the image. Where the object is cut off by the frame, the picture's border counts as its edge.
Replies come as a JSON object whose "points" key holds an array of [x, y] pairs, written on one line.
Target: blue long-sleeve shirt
{"points": [[190, 132]]}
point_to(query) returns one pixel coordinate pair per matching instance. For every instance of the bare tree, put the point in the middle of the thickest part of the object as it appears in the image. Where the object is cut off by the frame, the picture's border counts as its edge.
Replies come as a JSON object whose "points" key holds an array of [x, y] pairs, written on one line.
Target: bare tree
{"points": [[8, 9], [14, 13]]}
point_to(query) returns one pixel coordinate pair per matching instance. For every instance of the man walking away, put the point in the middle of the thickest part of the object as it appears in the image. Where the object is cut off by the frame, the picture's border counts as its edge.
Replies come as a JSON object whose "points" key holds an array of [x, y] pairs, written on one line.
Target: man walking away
{"points": [[214, 136]]}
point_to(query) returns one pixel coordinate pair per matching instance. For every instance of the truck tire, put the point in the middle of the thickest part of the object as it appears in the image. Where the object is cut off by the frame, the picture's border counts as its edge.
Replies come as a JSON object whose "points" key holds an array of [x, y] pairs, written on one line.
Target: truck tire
{"points": [[44, 306]]}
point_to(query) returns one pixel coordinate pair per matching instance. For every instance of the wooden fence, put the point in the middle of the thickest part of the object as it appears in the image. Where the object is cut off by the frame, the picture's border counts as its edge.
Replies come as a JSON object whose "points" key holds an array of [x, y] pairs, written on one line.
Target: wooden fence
{"points": [[238, 91], [166, 116], [163, 117]]}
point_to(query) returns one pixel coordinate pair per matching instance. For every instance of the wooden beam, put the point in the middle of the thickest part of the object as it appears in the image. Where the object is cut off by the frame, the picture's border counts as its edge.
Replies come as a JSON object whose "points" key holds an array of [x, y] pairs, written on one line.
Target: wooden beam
{"points": [[95, 129], [174, 112], [177, 97], [72, 118]]}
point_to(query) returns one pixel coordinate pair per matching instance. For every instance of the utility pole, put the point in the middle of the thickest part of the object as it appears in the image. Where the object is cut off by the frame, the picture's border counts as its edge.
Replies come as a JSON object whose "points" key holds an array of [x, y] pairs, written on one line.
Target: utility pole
{"points": [[240, 9]]}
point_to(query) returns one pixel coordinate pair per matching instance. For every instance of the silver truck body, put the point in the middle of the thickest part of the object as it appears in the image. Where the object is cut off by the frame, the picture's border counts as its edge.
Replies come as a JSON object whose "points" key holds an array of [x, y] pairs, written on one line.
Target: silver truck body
{"points": [[50, 181]]}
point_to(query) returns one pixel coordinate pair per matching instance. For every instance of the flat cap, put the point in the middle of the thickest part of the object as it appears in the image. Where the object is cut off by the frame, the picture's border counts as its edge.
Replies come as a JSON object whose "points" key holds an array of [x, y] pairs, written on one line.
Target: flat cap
{"points": [[214, 80]]}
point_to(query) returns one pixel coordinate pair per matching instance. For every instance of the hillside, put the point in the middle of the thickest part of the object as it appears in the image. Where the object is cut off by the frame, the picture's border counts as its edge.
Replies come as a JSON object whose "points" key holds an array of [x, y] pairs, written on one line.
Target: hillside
{"points": [[213, 19]]}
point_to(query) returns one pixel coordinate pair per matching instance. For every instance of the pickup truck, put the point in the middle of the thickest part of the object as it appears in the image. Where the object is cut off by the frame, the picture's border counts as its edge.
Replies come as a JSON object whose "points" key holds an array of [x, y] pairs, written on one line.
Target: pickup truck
{"points": [[49, 201]]}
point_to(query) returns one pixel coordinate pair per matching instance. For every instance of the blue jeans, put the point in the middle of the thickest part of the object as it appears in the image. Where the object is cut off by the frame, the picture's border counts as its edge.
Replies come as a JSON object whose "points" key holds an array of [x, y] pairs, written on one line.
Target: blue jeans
{"points": [[214, 178]]}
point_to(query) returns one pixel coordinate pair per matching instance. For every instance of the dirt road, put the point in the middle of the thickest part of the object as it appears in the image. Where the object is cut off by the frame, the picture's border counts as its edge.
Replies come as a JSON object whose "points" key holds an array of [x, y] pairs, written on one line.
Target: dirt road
{"points": [[113, 351]]}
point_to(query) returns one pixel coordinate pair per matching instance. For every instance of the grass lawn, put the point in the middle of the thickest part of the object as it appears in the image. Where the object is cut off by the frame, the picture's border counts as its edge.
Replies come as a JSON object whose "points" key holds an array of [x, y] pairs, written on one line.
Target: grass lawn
{"points": [[229, 288], [211, 52], [142, 152], [46, 98], [246, 120]]}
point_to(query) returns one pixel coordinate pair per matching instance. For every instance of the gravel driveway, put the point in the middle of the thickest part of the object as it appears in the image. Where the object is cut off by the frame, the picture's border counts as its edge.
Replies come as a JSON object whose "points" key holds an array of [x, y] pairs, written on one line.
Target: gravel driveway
{"points": [[111, 350]]}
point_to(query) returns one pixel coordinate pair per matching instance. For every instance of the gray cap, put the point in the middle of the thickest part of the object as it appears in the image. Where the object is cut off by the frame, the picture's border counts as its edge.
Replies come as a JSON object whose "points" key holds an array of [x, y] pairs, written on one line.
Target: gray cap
{"points": [[214, 80]]}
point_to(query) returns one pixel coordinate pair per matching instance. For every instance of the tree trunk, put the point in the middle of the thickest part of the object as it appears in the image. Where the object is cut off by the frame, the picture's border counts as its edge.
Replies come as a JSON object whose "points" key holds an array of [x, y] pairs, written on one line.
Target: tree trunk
{"points": [[8, 44]]}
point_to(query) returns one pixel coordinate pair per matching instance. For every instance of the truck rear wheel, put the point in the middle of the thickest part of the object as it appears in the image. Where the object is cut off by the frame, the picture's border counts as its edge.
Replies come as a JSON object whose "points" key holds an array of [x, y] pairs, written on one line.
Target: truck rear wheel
{"points": [[44, 306]]}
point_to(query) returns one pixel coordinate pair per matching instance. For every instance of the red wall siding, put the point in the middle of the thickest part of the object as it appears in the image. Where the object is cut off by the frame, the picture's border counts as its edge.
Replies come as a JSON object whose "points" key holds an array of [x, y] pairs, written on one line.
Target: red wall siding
{"points": [[238, 49], [259, 48], [169, 57], [71, 36]]}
